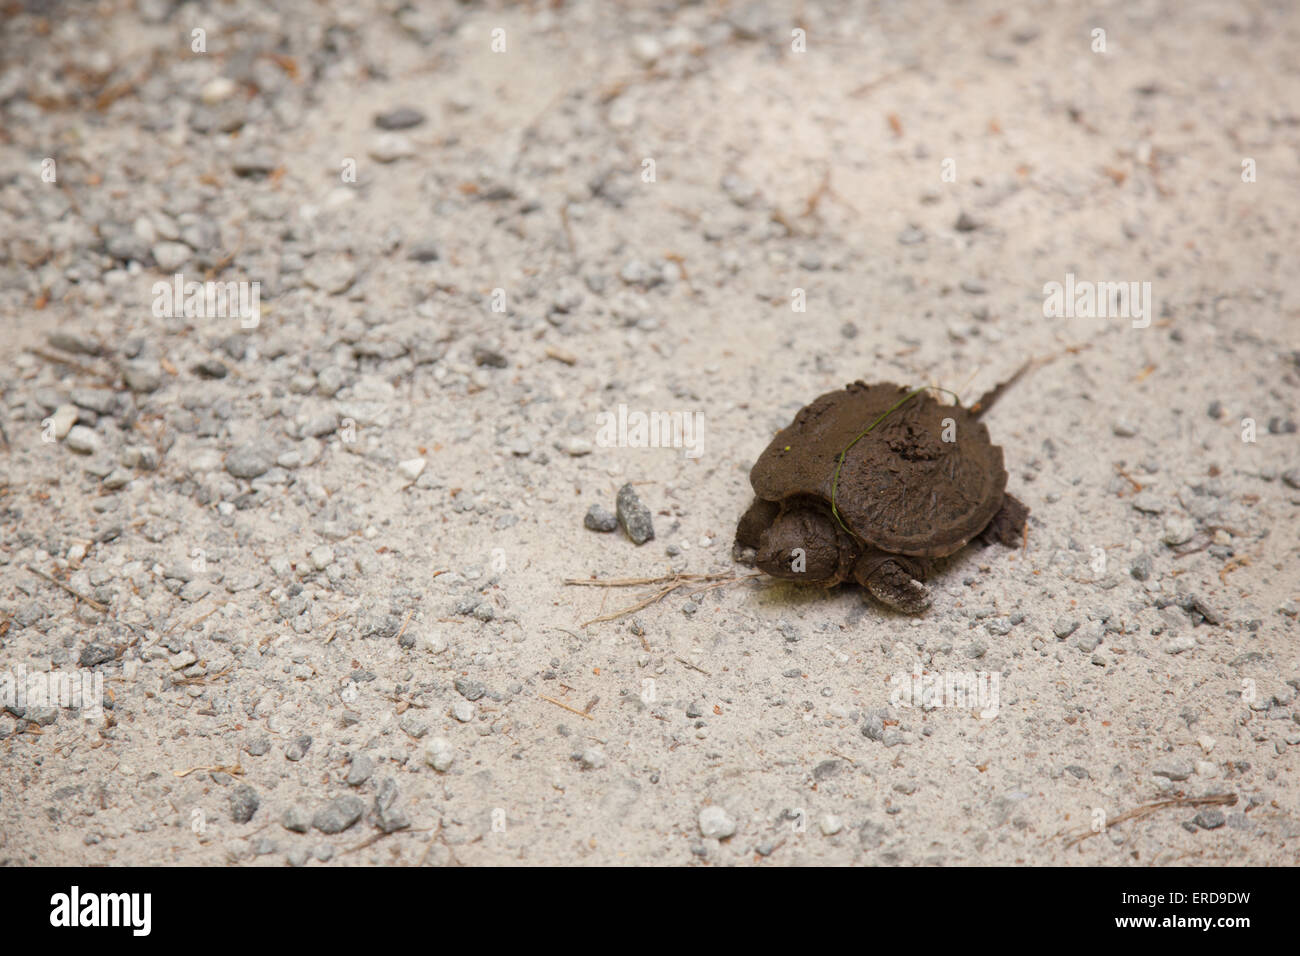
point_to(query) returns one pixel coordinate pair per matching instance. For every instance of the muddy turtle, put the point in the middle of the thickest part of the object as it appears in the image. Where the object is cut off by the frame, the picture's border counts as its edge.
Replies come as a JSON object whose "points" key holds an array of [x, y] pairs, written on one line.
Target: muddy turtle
{"points": [[919, 479]]}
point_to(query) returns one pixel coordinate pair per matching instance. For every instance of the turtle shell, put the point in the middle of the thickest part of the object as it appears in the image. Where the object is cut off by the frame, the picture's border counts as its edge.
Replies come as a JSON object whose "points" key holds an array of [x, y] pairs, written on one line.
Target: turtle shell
{"points": [[902, 488]]}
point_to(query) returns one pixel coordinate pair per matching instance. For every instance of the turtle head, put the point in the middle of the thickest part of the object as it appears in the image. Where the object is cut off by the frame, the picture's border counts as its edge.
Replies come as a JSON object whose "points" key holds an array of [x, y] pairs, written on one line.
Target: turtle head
{"points": [[802, 544]]}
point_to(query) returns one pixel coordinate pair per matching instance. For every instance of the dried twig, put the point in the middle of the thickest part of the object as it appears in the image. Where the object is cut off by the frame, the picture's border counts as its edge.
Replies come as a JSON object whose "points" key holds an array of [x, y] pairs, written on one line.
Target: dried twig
{"points": [[235, 771], [205, 679], [560, 355], [1138, 813], [72, 363], [694, 667], [572, 710], [671, 583], [198, 620], [103, 608], [1232, 565], [1125, 475], [404, 625]]}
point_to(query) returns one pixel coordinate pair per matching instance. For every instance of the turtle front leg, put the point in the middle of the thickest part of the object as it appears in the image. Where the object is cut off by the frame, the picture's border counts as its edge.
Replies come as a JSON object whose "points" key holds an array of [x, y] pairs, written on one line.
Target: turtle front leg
{"points": [[893, 581], [1008, 525]]}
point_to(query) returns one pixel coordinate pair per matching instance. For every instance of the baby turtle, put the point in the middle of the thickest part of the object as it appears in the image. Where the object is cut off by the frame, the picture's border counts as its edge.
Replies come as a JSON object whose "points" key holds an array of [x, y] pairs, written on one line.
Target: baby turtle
{"points": [[918, 480]]}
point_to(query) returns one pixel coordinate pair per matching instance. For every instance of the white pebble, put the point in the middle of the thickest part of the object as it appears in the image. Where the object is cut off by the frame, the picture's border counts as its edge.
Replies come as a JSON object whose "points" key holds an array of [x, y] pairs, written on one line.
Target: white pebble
{"points": [[1178, 530], [390, 147], [439, 754], [82, 440], [64, 417], [215, 91], [717, 823], [412, 468]]}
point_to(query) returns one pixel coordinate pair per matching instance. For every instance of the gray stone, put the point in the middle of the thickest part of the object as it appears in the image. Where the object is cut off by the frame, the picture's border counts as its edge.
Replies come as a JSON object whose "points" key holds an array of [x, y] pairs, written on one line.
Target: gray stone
{"points": [[1209, 819], [297, 819], [75, 343], [1175, 769], [874, 727], [93, 654], [248, 461], [491, 358], [600, 519], [634, 516], [1142, 567], [388, 816], [469, 689], [360, 770], [404, 117], [1089, 637], [243, 803], [339, 814], [1064, 627]]}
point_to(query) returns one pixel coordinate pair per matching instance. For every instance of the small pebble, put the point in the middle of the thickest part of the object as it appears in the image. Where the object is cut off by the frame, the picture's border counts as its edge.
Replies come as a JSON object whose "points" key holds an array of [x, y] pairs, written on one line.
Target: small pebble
{"points": [[1178, 530], [296, 819], [390, 147], [411, 468], [1064, 627], [248, 461], [339, 814], [634, 516], [82, 440], [243, 803], [716, 823], [64, 417], [598, 519], [439, 754], [404, 117], [1209, 819]]}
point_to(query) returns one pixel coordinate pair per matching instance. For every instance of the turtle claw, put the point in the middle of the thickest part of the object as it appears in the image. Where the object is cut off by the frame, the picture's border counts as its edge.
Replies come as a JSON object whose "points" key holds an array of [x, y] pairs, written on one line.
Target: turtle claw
{"points": [[894, 586]]}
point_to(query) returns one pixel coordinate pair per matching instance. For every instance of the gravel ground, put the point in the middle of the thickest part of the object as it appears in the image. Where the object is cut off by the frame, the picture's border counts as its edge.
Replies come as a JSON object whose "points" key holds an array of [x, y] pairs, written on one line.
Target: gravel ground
{"points": [[321, 544]]}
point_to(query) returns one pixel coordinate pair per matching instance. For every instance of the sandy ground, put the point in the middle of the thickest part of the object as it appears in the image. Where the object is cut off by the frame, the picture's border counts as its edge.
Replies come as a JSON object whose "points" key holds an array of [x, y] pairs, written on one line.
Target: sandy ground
{"points": [[315, 652]]}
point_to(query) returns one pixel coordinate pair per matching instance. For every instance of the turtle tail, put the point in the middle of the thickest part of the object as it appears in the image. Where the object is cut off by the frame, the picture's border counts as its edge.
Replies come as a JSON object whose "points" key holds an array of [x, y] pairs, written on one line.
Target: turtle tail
{"points": [[992, 395]]}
